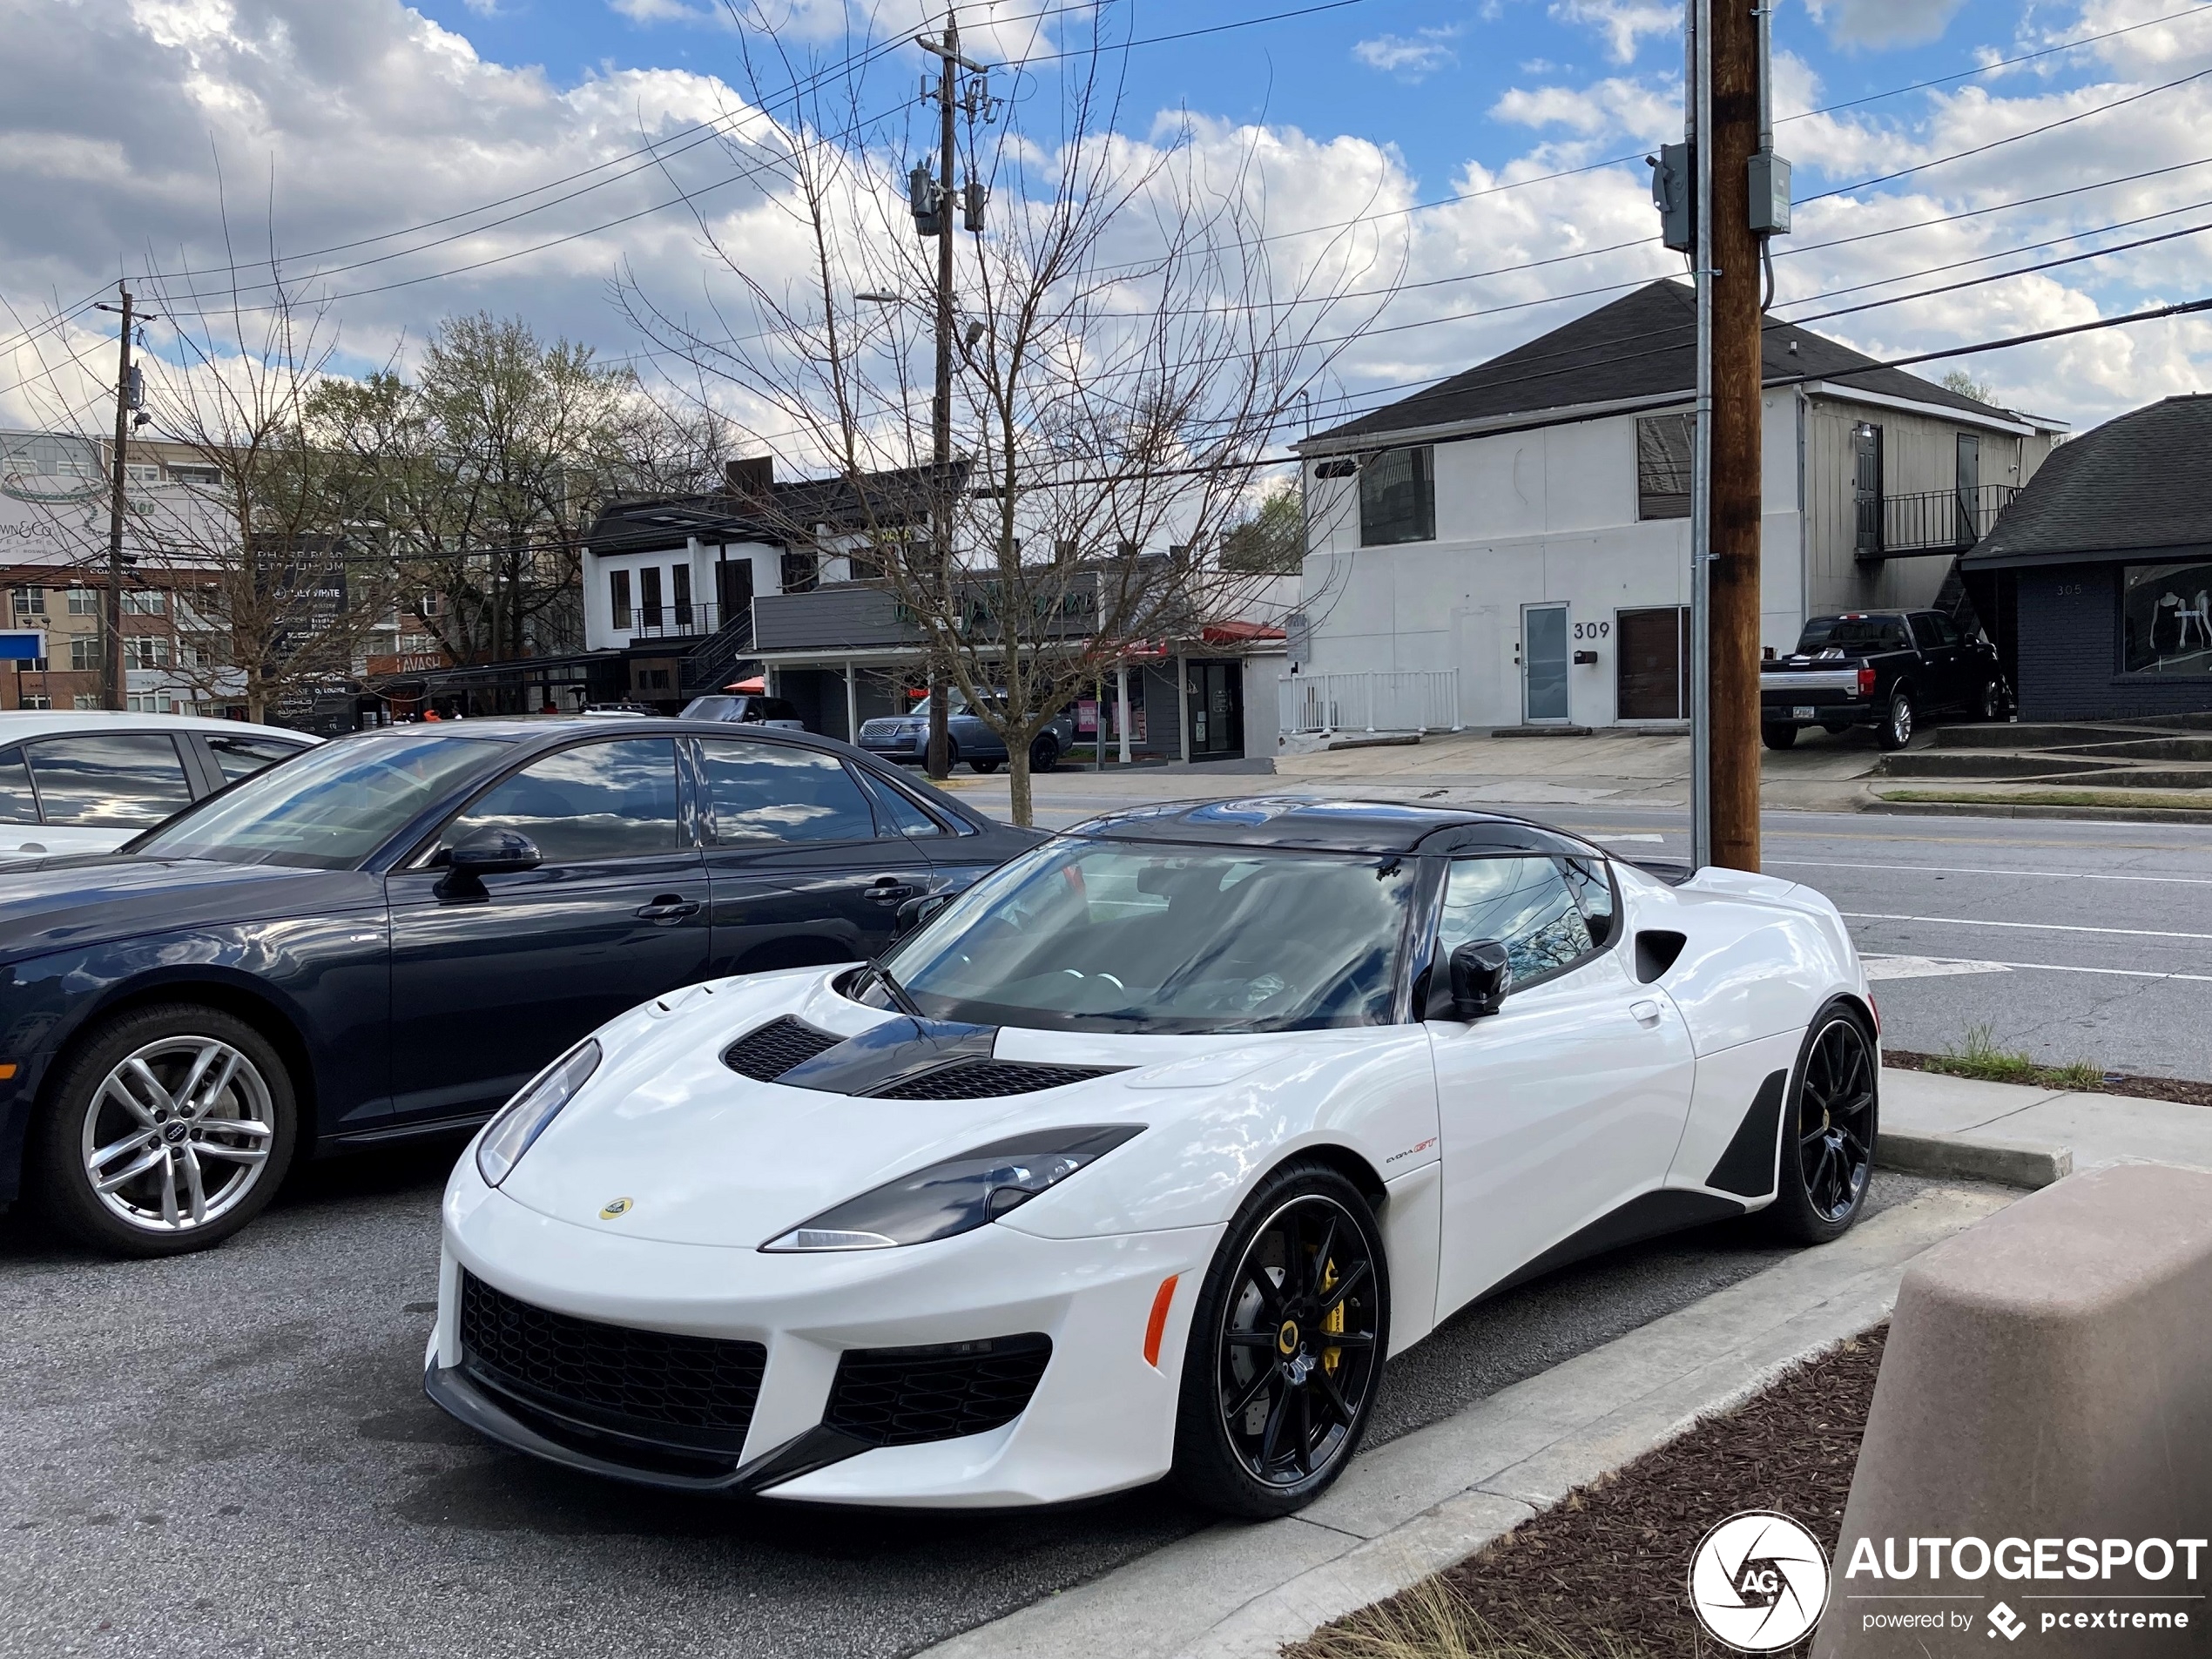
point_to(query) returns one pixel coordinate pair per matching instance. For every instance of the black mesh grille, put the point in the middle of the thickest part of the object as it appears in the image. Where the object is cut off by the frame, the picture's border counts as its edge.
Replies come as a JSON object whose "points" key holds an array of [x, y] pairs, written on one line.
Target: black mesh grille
{"points": [[694, 1391], [765, 1054], [905, 1396], [981, 1079]]}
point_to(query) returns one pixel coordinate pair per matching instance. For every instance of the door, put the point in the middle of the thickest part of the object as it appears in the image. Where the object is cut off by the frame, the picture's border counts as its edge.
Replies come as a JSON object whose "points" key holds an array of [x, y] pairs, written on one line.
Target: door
{"points": [[1571, 1099], [1866, 489], [1651, 660], [1969, 489], [733, 593], [1944, 684], [800, 868], [1543, 664], [1217, 711], [485, 992]]}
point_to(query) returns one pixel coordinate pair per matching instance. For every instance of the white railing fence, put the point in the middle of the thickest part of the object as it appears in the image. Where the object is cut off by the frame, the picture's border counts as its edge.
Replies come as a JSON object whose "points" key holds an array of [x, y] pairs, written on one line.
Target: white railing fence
{"points": [[1414, 701]]}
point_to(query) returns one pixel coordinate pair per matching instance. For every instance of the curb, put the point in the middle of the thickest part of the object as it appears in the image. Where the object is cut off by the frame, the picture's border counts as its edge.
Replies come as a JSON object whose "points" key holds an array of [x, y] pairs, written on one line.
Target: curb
{"points": [[2009, 1163], [2083, 814]]}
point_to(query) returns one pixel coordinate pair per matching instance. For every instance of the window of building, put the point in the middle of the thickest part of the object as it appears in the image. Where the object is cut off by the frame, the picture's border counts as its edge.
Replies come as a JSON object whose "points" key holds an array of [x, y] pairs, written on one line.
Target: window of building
{"points": [[145, 651], [618, 592], [649, 611], [801, 572], [1664, 465], [1398, 497], [84, 601], [2166, 619], [679, 578], [196, 475], [597, 801], [142, 473], [31, 664], [38, 700], [28, 602], [85, 653], [1651, 664], [84, 700], [145, 602]]}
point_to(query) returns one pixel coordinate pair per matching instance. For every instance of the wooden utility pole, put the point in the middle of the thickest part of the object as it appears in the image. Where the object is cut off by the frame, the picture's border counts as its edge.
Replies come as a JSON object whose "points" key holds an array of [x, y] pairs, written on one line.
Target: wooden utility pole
{"points": [[1732, 132], [941, 407], [111, 667]]}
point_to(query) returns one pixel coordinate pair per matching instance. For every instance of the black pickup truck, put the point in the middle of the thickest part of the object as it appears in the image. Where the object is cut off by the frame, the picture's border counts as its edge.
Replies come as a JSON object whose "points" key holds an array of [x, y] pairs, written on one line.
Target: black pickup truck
{"points": [[1880, 668]]}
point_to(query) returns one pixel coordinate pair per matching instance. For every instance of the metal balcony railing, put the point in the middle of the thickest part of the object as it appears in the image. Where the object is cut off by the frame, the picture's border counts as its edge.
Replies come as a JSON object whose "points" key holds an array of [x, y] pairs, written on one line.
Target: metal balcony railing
{"points": [[1933, 521], [673, 621]]}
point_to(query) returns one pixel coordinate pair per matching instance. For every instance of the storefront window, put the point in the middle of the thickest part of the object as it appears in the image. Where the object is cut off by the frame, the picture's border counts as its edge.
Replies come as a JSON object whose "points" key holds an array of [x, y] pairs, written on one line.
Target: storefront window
{"points": [[2166, 619]]}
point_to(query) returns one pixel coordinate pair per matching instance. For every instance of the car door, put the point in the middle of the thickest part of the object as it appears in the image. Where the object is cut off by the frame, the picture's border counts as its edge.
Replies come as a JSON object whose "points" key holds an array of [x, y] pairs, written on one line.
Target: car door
{"points": [[487, 990], [1941, 686], [800, 867], [98, 789], [1568, 1101]]}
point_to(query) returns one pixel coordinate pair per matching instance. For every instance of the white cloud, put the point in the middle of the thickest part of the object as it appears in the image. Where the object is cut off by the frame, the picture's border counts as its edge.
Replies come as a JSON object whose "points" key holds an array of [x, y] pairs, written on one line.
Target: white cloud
{"points": [[1411, 58], [655, 11], [1617, 106], [1622, 22], [1880, 23]]}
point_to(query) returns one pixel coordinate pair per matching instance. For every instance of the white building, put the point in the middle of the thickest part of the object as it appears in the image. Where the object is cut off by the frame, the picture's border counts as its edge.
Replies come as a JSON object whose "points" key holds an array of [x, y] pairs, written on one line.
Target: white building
{"points": [[1512, 545]]}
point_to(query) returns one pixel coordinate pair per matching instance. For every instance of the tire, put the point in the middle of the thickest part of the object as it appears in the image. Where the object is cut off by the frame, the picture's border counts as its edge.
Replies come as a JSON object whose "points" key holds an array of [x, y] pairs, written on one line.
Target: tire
{"points": [[1828, 1132], [1044, 753], [1298, 1412], [1896, 730], [982, 768], [1778, 737], [101, 1103], [1990, 706]]}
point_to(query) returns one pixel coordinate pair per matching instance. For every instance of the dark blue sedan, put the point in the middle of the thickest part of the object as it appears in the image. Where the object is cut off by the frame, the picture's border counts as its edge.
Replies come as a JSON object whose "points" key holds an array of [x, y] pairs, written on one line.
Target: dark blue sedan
{"points": [[387, 936]]}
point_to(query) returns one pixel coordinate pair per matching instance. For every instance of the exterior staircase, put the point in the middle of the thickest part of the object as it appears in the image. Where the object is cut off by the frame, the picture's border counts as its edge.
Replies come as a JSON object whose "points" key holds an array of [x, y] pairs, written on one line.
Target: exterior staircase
{"points": [[2158, 752]]}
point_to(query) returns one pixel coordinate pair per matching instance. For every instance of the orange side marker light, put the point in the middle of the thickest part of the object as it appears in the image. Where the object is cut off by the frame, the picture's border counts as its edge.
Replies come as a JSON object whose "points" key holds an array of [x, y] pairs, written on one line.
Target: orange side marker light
{"points": [[1155, 1326], [7, 1071]]}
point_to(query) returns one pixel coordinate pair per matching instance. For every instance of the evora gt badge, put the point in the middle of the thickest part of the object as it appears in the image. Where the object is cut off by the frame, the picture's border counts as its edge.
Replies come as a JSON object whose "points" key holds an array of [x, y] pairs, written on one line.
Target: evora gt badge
{"points": [[1286, 1339], [613, 1208]]}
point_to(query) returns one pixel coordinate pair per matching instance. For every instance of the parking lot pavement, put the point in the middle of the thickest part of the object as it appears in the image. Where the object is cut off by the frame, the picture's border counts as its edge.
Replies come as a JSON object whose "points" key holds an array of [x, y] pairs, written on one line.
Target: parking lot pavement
{"points": [[230, 1454]]}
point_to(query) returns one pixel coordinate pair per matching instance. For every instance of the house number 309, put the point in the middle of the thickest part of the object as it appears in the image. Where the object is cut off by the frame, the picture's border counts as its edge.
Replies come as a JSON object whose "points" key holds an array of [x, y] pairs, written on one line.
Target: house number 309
{"points": [[1592, 630]]}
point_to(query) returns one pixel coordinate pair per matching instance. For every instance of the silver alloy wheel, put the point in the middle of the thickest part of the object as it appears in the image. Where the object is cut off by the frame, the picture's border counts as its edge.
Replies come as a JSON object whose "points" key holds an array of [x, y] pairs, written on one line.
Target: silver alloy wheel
{"points": [[1901, 720], [177, 1134]]}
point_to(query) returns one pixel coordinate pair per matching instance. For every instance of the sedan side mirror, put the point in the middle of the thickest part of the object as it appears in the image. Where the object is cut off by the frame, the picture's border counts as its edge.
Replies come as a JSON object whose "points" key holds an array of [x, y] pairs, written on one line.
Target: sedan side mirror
{"points": [[916, 911], [489, 852], [1481, 974]]}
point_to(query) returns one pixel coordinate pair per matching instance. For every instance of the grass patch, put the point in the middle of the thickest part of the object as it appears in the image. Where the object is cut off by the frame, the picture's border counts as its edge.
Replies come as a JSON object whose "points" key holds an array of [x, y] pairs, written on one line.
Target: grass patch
{"points": [[2188, 802], [1980, 1057]]}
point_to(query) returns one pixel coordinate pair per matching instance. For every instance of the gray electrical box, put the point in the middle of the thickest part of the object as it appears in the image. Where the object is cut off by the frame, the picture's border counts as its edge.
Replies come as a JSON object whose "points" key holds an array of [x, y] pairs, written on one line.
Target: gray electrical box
{"points": [[1674, 192], [1769, 194]]}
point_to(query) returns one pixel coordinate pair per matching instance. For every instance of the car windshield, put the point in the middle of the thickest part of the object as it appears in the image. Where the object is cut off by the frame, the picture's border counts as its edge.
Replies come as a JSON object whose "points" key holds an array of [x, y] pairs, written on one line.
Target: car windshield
{"points": [[1101, 935], [326, 810], [1853, 633], [955, 703], [714, 708]]}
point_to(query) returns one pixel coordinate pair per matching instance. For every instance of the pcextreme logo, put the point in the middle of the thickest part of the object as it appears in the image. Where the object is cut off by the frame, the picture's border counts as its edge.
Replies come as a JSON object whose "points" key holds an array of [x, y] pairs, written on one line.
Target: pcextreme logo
{"points": [[1758, 1582], [2147, 1584]]}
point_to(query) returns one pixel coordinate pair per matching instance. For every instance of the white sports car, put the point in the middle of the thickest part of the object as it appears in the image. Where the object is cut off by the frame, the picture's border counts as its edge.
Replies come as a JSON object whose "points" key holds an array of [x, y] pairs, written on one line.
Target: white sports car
{"points": [[1138, 1157]]}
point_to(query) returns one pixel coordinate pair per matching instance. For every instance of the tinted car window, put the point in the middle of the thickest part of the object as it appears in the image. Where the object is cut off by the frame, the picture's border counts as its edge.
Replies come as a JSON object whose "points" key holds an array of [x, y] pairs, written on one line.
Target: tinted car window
{"points": [[330, 809], [242, 757], [714, 708], [1924, 631], [1524, 904], [17, 804], [597, 800], [110, 779], [1593, 890], [770, 791], [1854, 633], [774, 708], [901, 812]]}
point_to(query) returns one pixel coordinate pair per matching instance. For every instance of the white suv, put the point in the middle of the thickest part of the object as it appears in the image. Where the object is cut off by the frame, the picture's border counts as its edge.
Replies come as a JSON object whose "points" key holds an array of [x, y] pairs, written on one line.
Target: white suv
{"points": [[91, 780]]}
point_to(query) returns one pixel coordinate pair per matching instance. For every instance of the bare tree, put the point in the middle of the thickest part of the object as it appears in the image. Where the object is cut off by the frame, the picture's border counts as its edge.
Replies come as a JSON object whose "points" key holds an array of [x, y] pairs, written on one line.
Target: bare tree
{"points": [[1128, 344]]}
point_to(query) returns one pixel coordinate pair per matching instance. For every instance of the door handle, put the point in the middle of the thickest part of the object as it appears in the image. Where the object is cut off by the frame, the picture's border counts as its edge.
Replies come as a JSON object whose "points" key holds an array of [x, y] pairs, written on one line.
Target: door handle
{"points": [[667, 907], [1646, 1012], [889, 889]]}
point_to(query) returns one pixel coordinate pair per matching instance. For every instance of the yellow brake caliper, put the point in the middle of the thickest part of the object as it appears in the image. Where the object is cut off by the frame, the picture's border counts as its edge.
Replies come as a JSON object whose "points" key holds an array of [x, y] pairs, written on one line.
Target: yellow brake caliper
{"points": [[1332, 1321]]}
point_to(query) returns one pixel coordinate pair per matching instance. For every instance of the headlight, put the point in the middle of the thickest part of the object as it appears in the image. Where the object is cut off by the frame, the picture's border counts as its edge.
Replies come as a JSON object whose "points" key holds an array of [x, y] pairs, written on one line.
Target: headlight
{"points": [[523, 1118], [957, 1195]]}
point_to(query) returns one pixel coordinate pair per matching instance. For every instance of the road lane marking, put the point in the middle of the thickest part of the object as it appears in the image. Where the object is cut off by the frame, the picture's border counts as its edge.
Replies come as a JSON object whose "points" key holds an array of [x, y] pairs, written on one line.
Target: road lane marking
{"points": [[1879, 966], [1956, 869], [2039, 926], [2123, 972]]}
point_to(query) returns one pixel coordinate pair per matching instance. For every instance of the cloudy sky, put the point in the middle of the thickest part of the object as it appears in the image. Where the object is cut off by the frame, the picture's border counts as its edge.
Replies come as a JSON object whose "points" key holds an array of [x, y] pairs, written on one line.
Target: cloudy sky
{"points": [[407, 163]]}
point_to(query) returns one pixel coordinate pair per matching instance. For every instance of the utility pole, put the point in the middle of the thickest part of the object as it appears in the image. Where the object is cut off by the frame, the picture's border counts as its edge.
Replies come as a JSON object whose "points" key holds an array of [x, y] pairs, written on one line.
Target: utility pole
{"points": [[1698, 155], [941, 406], [1731, 136], [112, 672]]}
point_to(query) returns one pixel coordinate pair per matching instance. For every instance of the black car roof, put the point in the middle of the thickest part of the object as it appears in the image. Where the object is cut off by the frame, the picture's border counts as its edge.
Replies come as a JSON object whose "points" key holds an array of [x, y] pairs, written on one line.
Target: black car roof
{"points": [[1377, 827]]}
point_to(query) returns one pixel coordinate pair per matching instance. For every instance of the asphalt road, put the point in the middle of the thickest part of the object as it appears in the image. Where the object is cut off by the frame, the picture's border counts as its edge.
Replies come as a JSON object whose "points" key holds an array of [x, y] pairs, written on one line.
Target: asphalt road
{"points": [[230, 1454], [2069, 940]]}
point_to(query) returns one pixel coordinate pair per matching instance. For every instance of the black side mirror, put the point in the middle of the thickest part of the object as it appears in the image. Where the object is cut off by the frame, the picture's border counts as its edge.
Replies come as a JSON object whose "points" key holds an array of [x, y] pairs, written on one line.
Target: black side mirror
{"points": [[915, 911], [489, 852], [1481, 974]]}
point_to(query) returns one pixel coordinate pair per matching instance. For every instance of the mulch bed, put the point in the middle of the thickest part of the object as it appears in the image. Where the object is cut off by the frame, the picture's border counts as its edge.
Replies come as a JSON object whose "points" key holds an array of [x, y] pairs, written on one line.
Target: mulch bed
{"points": [[2175, 1089], [1604, 1571]]}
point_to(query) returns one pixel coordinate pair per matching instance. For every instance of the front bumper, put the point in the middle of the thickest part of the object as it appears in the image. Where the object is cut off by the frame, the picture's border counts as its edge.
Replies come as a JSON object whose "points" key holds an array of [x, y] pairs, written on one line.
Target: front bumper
{"points": [[1101, 1419]]}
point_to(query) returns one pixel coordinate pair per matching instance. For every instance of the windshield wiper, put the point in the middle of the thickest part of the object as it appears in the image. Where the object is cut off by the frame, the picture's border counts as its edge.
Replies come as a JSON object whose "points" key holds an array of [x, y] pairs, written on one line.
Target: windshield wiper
{"points": [[896, 991]]}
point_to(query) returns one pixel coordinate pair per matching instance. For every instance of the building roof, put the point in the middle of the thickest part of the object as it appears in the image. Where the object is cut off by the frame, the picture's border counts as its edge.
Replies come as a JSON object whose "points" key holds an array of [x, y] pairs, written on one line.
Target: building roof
{"points": [[788, 514], [2138, 482], [1642, 345]]}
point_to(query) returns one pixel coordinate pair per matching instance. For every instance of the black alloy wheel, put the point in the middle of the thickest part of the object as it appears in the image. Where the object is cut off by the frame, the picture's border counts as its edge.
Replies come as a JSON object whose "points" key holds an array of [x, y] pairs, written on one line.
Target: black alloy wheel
{"points": [[1044, 753], [982, 768], [1778, 737], [1828, 1136], [1897, 725], [1286, 1347]]}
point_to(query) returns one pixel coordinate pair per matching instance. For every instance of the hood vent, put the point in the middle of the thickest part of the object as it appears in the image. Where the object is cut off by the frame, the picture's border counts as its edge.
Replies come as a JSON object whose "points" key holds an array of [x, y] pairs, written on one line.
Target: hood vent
{"points": [[982, 1079], [765, 1054]]}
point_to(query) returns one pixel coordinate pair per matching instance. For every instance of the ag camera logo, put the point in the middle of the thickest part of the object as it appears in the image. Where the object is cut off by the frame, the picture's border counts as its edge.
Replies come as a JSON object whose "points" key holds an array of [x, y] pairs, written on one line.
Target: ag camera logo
{"points": [[1758, 1582]]}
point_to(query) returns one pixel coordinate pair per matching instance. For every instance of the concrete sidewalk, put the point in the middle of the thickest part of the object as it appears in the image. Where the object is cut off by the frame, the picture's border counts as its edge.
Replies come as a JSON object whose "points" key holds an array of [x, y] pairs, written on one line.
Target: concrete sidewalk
{"points": [[1433, 1497]]}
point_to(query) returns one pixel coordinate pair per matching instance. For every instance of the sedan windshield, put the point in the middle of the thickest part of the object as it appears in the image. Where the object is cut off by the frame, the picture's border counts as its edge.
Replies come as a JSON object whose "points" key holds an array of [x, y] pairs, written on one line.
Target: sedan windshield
{"points": [[327, 809], [1117, 936]]}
